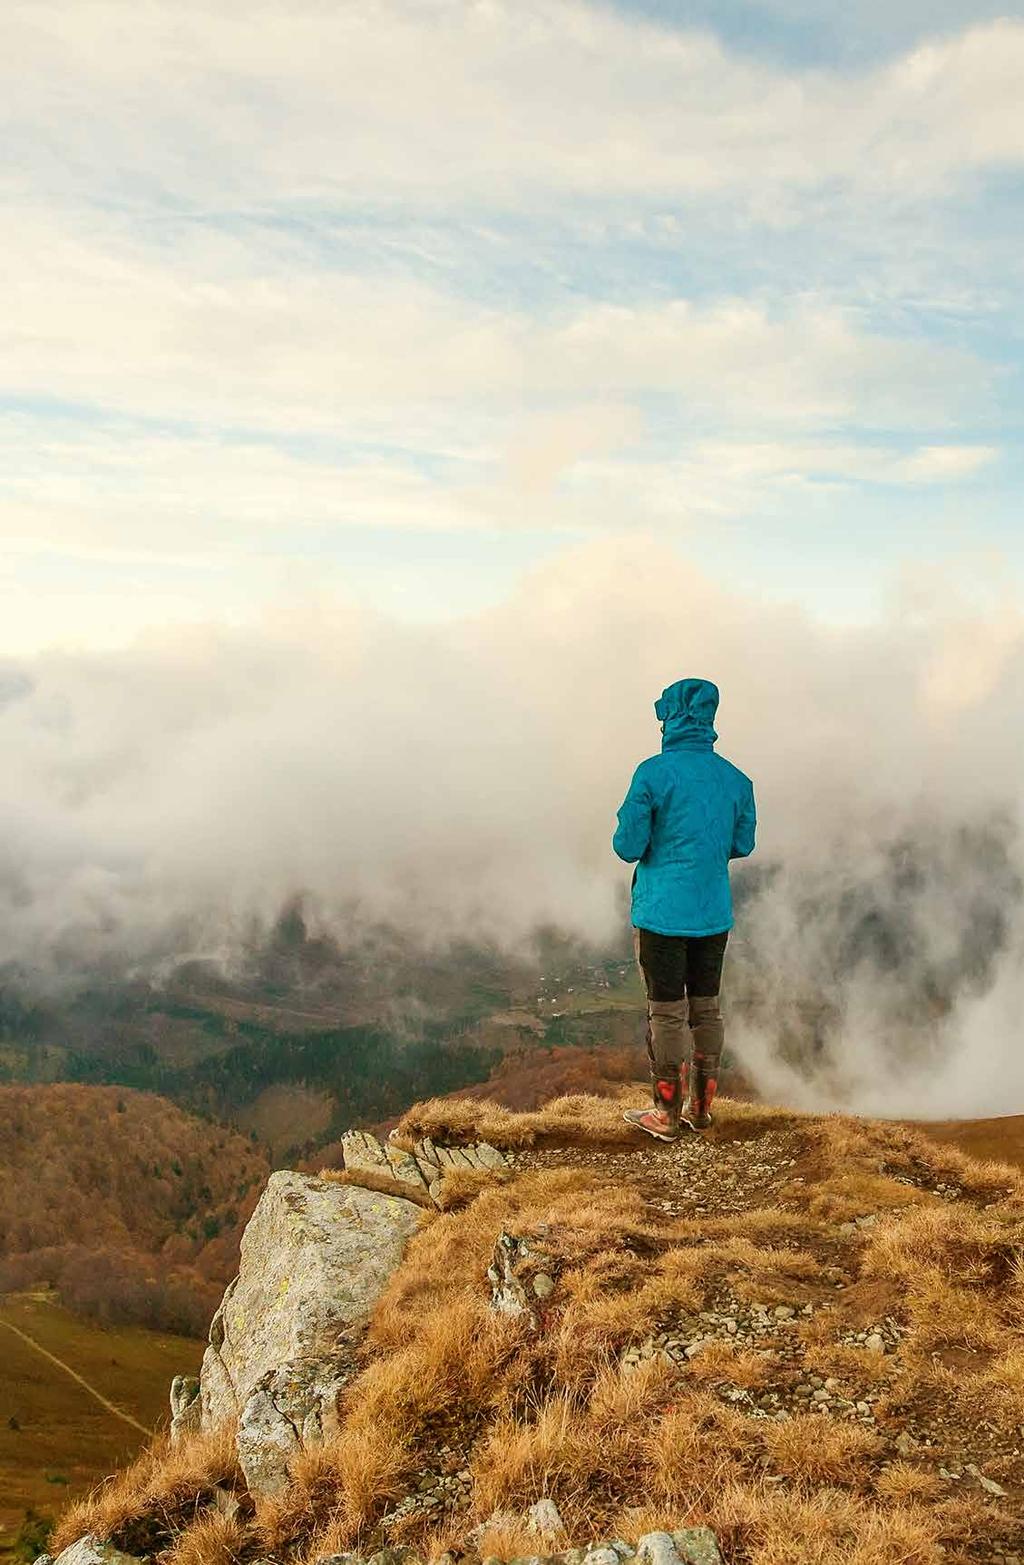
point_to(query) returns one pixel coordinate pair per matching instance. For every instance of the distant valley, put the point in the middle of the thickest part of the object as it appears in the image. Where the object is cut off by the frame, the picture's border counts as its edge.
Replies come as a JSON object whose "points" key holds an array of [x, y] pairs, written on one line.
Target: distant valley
{"points": [[308, 1038]]}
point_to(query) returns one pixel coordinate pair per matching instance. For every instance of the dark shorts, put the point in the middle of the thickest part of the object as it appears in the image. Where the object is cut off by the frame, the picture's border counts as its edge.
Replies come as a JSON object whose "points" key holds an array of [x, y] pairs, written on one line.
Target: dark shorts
{"points": [[677, 965]]}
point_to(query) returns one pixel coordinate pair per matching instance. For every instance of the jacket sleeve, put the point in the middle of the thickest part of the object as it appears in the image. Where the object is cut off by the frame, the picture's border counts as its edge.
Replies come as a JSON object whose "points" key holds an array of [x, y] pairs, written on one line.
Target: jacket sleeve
{"points": [[743, 830], [633, 834]]}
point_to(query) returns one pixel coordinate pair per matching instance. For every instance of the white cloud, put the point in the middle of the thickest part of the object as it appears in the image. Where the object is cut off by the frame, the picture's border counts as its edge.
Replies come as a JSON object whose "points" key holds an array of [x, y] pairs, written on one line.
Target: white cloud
{"points": [[447, 99], [935, 464], [216, 334], [186, 503], [463, 779], [246, 380]]}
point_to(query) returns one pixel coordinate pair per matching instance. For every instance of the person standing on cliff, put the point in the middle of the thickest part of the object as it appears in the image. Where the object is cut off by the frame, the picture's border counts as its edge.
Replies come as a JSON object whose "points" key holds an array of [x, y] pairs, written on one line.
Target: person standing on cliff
{"points": [[687, 813]]}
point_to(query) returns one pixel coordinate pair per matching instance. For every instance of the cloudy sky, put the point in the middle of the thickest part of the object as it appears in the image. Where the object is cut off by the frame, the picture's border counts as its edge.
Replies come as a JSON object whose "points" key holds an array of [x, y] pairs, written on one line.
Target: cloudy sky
{"points": [[397, 300]]}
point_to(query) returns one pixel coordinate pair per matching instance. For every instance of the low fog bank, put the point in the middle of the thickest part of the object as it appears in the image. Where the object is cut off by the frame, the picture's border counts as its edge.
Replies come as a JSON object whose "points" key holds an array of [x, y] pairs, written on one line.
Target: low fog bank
{"points": [[461, 781]]}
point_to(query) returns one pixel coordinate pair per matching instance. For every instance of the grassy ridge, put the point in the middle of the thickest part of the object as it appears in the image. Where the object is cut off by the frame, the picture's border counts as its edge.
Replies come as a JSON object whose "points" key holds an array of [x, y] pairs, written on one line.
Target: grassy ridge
{"points": [[801, 1330]]}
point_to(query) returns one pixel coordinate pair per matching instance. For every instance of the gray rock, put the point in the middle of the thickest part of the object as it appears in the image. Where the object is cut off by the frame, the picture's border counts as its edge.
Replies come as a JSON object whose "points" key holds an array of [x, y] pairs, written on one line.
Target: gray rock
{"points": [[93, 1551], [502, 1519], [520, 1271], [875, 1343], [988, 1484], [601, 1556], [508, 1294], [405, 1167], [489, 1156], [43, 1559], [544, 1517], [363, 1152], [293, 1406], [314, 1259], [698, 1546], [657, 1548], [186, 1407]]}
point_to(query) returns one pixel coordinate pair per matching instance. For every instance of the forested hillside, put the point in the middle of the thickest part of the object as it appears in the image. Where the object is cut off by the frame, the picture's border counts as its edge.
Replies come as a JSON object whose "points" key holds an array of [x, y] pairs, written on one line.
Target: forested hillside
{"points": [[131, 1207]]}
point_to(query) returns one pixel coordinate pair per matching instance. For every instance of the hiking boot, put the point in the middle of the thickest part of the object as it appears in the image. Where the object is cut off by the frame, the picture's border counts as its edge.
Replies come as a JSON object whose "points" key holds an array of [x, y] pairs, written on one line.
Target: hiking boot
{"points": [[696, 1111], [662, 1119], [707, 1029]]}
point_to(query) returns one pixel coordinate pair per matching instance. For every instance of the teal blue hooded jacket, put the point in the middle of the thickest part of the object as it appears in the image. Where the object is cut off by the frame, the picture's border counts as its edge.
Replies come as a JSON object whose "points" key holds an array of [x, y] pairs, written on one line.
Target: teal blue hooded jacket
{"points": [[687, 813]]}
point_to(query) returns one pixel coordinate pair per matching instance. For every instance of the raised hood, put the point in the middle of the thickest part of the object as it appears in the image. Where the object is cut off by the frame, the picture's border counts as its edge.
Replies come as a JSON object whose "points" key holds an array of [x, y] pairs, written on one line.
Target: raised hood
{"points": [[686, 711]]}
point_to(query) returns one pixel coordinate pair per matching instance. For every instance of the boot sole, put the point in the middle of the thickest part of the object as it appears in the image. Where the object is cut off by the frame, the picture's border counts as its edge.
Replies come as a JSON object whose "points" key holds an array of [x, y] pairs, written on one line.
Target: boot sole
{"points": [[656, 1135]]}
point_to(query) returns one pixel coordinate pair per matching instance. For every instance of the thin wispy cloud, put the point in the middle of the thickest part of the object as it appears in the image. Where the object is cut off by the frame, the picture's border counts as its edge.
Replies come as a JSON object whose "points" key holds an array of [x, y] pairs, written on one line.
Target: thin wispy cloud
{"points": [[461, 267]]}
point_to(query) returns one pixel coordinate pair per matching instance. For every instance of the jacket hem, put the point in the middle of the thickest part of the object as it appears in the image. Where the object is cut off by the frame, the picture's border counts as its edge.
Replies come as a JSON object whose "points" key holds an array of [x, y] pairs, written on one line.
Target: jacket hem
{"points": [[690, 934]]}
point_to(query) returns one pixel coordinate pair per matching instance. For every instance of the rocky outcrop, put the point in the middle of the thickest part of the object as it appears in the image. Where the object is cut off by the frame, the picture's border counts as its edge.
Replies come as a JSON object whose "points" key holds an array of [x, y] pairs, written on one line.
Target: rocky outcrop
{"points": [[292, 1406], [186, 1407], [314, 1259], [689, 1546], [522, 1275]]}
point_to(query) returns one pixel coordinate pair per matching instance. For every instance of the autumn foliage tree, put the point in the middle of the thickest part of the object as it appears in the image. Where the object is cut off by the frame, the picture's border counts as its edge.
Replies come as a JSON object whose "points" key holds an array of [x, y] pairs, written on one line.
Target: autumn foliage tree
{"points": [[127, 1204]]}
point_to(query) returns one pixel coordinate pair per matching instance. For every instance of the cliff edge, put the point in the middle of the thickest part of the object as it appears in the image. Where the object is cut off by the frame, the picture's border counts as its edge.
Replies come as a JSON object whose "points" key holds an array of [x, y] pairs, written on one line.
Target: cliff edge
{"points": [[506, 1336]]}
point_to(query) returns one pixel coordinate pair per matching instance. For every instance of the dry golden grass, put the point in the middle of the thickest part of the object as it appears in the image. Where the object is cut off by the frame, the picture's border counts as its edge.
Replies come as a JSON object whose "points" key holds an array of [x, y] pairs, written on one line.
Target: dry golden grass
{"points": [[816, 1450], [854, 1368], [552, 1412], [830, 1527], [1000, 1386], [854, 1194], [956, 1270], [697, 1446], [902, 1481], [504, 1541], [723, 1362], [212, 1540], [460, 1186], [166, 1482], [768, 1224], [584, 1118], [335, 1489]]}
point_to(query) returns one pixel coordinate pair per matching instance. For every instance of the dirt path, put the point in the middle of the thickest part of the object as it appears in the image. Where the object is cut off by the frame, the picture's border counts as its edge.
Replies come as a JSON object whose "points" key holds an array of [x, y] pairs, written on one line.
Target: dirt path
{"points": [[695, 1176], [125, 1418]]}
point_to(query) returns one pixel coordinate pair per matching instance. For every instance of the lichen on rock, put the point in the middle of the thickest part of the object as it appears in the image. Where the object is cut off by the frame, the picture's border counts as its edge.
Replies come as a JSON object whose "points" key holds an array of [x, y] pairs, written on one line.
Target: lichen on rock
{"points": [[314, 1259]]}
